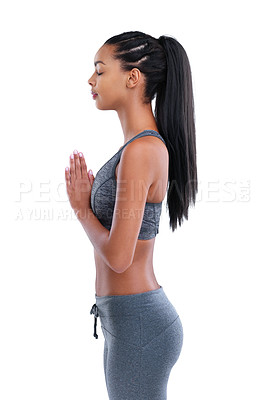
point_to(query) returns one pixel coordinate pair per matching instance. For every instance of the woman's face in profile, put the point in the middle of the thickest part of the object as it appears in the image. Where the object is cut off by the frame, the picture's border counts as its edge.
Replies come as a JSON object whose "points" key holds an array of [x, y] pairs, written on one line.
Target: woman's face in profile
{"points": [[108, 80]]}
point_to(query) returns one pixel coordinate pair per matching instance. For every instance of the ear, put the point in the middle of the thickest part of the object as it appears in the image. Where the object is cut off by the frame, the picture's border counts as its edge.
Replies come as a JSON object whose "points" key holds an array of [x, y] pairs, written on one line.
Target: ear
{"points": [[133, 78]]}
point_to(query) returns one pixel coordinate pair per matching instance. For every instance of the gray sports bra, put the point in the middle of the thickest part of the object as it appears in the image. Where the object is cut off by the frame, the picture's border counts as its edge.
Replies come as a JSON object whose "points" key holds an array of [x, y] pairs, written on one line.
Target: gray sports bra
{"points": [[103, 195]]}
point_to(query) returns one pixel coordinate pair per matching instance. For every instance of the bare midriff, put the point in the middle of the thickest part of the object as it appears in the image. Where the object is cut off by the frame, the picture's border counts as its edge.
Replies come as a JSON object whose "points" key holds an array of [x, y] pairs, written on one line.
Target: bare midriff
{"points": [[138, 278]]}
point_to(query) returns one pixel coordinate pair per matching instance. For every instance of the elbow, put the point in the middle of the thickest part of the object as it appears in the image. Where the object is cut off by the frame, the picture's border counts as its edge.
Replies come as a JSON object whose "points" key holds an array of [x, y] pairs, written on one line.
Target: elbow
{"points": [[120, 270], [119, 264], [118, 256]]}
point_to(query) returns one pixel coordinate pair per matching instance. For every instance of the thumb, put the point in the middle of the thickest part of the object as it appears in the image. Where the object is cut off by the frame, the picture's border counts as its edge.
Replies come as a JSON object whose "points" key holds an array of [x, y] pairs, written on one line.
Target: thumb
{"points": [[91, 176]]}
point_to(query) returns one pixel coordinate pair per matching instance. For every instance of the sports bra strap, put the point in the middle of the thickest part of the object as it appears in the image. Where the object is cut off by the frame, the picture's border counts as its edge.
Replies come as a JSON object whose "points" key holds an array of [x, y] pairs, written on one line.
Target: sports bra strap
{"points": [[146, 132]]}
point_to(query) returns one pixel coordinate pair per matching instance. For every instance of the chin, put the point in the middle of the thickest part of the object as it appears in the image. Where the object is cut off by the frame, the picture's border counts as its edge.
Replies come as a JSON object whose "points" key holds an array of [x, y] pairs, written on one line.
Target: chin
{"points": [[110, 104], [104, 107]]}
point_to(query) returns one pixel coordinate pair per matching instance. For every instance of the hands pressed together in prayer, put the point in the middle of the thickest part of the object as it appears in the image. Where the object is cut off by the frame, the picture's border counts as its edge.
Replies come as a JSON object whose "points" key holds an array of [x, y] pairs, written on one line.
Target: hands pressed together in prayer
{"points": [[79, 183]]}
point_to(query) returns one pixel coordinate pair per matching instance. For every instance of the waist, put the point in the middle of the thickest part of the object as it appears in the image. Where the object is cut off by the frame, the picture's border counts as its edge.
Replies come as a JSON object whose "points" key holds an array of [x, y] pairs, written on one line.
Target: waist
{"points": [[140, 315], [130, 304], [139, 277]]}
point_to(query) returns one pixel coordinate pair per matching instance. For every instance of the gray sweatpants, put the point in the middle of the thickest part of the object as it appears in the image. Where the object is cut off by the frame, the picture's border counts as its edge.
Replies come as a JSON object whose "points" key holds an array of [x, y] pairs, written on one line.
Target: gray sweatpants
{"points": [[143, 340]]}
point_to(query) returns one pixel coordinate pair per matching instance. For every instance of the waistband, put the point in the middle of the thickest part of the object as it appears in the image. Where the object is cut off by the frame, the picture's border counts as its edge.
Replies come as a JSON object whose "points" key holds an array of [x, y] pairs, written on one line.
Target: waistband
{"points": [[127, 304]]}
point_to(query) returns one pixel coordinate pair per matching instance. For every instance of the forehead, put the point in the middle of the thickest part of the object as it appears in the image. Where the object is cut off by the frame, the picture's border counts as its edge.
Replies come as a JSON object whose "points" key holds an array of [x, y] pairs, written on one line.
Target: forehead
{"points": [[104, 54]]}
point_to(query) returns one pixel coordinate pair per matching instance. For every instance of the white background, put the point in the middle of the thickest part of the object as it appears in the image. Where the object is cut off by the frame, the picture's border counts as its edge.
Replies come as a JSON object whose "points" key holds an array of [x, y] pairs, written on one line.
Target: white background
{"points": [[210, 268]]}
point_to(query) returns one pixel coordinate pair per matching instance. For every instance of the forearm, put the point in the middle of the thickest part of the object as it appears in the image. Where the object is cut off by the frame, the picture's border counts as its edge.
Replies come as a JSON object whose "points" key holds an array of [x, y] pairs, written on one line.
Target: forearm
{"points": [[96, 232]]}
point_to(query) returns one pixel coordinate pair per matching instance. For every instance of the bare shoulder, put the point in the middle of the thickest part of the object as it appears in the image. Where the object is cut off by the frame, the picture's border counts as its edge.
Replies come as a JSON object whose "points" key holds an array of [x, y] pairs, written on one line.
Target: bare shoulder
{"points": [[146, 156], [154, 149], [137, 159], [149, 145]]}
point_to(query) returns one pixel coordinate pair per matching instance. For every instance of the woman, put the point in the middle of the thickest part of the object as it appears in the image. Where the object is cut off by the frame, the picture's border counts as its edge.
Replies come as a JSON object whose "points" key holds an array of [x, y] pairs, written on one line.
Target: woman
{"points": [[120, 208]]}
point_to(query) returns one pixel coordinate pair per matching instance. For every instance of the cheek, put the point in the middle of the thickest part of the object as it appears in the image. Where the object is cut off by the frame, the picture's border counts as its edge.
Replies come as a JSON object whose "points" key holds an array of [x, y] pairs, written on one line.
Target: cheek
{"points": [[113, 89], [118, 89]]}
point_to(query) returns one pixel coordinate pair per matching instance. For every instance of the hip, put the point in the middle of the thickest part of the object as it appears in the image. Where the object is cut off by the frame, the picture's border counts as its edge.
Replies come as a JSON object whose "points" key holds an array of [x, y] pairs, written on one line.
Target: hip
{"points": [[137, 318]]}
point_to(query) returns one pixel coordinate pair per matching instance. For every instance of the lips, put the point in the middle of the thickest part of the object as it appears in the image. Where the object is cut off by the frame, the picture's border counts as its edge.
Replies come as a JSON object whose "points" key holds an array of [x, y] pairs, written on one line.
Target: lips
{"points": [[94, 94]]}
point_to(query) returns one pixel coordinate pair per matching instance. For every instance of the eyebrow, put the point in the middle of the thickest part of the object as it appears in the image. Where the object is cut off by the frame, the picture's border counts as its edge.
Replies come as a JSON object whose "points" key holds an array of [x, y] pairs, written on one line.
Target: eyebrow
{"points": [[97, 62]]}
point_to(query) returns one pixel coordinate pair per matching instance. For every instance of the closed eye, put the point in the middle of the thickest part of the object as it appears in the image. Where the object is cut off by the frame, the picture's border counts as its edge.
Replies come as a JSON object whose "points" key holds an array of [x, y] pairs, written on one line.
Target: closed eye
{"points": [[99, 73]]}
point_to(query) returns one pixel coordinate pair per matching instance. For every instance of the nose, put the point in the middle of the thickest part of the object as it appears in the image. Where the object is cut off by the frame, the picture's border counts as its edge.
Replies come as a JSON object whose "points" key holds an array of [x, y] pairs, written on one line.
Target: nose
{"points": [[91, 80]]}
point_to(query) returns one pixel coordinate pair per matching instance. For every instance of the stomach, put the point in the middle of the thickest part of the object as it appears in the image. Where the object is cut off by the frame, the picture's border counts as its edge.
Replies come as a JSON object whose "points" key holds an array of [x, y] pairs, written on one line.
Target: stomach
{"points": [[138, 278]]}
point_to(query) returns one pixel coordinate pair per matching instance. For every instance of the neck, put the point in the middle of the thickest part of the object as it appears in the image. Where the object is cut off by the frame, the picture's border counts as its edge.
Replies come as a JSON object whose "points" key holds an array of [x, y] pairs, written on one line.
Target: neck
{"points": [[135, 118]]}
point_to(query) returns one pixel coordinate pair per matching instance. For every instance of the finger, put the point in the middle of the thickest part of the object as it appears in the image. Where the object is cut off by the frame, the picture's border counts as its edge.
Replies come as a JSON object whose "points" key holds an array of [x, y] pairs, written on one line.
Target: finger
{"points": [[77, 165], [90, 177], [83, 165], [72, 168], [67, 178]]}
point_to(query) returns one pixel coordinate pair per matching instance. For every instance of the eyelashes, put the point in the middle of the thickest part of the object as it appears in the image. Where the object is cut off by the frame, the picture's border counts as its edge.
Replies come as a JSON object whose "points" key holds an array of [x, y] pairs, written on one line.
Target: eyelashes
{"points": [[99, 73]]}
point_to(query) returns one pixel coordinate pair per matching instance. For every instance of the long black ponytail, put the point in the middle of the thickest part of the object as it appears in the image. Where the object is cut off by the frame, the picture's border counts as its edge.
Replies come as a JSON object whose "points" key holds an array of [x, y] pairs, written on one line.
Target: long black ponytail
{"points": [[166, 67]]}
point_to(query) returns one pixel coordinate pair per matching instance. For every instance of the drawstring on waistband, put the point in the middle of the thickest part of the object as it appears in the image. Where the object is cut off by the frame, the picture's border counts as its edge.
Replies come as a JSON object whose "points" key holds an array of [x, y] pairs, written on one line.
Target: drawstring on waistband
{"points": [[94, 310]]}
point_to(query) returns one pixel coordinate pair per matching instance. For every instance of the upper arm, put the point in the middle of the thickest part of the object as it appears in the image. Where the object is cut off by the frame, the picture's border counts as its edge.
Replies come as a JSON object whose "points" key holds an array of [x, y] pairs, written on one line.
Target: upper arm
{"points": [[134, 178]]}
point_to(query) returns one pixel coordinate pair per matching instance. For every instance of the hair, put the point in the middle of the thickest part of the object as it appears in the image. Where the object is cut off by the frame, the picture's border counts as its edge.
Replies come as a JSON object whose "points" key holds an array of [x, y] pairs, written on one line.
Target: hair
{"points": [[167, 74]]}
